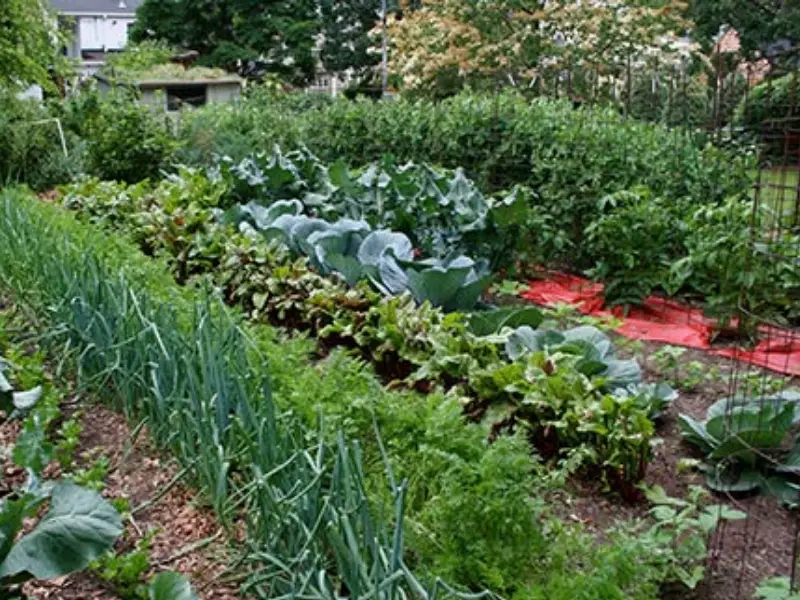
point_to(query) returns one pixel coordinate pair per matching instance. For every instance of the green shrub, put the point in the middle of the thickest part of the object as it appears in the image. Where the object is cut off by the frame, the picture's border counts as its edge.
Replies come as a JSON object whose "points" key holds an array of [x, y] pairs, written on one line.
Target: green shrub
{"points": [[499, 140], [771, 111], [737, 278], [32, 152], [255, 123], [634, 245], [126, 140], [140, 56]]}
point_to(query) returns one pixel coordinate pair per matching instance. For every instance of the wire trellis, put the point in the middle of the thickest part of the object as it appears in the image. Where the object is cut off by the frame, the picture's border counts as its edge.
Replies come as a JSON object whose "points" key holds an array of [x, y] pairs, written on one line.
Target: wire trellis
{"points": [[748, 108]]}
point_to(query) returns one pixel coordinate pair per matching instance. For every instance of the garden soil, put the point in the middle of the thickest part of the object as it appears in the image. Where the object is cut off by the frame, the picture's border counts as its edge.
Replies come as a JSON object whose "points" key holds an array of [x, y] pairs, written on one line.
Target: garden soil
{"points": [[187, 537], [743, 553]]}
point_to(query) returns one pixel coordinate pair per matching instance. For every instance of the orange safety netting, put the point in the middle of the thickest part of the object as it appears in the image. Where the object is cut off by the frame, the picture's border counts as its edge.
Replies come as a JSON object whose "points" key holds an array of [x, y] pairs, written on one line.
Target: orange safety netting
{"points": [[662, 320]]}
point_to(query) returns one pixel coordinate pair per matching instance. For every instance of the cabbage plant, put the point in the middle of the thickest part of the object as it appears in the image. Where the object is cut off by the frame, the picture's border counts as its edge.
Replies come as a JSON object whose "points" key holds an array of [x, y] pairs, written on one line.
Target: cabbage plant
{"points": [[593, 345], [453, 283], [78, 527], [748, 445], [349, 247], [15, 404]]}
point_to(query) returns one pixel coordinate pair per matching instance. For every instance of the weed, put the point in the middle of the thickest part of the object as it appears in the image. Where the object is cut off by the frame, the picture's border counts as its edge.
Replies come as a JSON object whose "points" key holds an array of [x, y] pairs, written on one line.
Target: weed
{"points": [[68, 436], [93, 477], [125, 572]]}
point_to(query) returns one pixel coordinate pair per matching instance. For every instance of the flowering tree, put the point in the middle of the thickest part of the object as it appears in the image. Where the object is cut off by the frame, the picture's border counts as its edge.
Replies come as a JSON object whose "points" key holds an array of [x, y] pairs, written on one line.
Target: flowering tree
{"points": [[450, 43]]}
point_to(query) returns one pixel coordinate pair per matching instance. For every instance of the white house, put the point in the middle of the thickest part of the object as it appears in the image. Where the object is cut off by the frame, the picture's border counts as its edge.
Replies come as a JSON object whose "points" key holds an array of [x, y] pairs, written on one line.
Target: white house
{"points": [[98, 27]]}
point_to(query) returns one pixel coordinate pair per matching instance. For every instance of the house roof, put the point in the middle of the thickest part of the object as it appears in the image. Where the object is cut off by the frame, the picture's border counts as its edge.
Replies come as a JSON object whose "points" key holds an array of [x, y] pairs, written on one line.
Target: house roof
{"points": [[96, 7]]}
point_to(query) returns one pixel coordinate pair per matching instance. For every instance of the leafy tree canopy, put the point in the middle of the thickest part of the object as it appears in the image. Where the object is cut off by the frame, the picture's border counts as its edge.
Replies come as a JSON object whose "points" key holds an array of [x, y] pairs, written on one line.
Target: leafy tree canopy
{"points": [[224, 32], [345, 34], [28, 44], [760, 23]]}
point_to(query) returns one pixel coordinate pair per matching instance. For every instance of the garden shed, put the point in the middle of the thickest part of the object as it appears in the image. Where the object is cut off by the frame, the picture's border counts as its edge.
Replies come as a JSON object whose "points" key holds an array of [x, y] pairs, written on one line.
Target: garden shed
{"points": [[175, 93]]}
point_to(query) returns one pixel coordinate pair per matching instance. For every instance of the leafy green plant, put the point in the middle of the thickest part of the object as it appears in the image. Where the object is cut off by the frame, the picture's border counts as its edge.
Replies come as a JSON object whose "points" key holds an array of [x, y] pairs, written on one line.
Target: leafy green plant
{"points": [[93, 477], [667, 359], [171, 586], [686, 376], [633, 244], [125, 571], [484, 323], [508, 287], [68, 435], [741, 283], [14, 404], [454, 283], [34, 449], [126, 140], [685, 525], [77, 527], [73, 525], [32, 150], [592, 346], [744, 441]]}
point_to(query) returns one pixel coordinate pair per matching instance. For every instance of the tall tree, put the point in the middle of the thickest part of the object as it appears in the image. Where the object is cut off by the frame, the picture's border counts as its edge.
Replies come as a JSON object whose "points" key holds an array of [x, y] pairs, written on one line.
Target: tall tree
{"points": [[760, 23], [279, 33], [450, 43], [346, 43], [29, 43]]}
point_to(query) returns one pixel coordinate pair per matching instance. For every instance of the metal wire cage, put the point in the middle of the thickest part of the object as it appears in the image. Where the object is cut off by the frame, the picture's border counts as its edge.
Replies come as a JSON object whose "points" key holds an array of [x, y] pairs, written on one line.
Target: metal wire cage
{"points": [[750, 109]]}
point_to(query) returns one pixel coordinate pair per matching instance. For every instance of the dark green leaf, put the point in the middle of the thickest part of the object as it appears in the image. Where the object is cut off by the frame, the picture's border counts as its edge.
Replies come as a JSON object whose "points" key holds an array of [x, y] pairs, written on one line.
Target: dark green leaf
{"points": [[171, 586], [79, 527]]}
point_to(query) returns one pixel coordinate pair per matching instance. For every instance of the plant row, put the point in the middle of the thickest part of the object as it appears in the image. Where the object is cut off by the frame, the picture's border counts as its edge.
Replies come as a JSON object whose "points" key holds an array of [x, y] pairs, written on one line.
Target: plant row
{"points": [[566, 388], [636, 242], [192, 373]]}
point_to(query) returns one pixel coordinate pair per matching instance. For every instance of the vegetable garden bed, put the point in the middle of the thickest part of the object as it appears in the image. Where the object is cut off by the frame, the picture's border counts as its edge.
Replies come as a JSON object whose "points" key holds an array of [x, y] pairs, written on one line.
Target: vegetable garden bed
{"points": [[285, 305], [448, 465]]}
